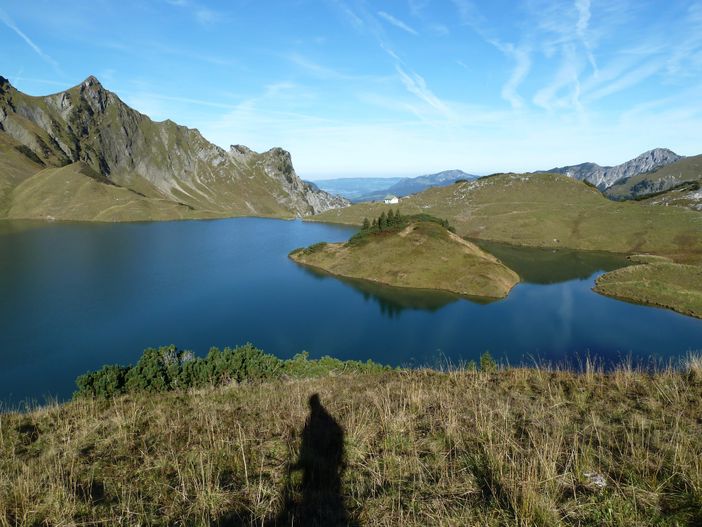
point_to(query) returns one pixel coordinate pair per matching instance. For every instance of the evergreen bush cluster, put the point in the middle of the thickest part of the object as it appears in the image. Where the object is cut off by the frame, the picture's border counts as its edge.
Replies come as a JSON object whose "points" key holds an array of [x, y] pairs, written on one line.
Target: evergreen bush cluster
{"points": [[385, 221], [393, 221], [168, 368]]}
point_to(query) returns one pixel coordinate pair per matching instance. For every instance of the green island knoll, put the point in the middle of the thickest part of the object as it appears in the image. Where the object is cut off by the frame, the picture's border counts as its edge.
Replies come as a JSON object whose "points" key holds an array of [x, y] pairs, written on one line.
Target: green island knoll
{"points": [[417, 251], [658, 282], [555, 211], [241, 438]]}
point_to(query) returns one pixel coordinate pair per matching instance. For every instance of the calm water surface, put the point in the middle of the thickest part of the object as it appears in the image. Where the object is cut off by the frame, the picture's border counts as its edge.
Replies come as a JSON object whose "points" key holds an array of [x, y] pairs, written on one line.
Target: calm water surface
{"points": [[76, 296]]}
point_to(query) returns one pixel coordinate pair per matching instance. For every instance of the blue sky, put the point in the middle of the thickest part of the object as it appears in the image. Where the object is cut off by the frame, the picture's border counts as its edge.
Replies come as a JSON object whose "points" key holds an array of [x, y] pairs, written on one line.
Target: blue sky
{"points": [[404, 87]]}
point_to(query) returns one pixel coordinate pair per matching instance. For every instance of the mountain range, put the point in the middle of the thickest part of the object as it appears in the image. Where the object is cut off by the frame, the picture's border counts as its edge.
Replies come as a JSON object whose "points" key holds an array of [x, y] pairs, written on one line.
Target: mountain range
{"points": [[83, 154], [355, 188], [657, 177], [375, 189], [605, 177]]}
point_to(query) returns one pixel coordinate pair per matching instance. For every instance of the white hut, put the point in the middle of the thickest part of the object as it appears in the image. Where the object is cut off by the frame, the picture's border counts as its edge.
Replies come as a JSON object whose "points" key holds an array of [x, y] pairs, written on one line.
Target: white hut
{"points": [[391, 200]]}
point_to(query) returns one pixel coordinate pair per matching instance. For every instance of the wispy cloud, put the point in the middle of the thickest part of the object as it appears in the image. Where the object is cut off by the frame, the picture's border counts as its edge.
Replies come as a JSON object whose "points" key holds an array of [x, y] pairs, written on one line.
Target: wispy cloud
{"points": [[206, 16], [5, 19], [470, 16], [625, 80], [417, 7], [349, 14], [581, 28], [201, 14], [416, 85], [567, 77], [468, 13], [439, 30], [327, 73], [412, 81], [397, 23], [521, 70]]}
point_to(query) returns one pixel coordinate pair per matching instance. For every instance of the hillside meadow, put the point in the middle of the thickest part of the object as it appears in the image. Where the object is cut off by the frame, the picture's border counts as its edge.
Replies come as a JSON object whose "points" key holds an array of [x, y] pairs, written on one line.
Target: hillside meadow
{"points": [[547, 210], [413, 252]]}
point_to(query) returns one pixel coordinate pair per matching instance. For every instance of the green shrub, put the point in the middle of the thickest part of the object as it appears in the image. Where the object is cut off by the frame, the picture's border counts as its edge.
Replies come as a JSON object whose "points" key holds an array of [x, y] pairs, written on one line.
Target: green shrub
{"points": [[315, 247], [168, 368], [388, 223], [106, 382], [487, 363]]}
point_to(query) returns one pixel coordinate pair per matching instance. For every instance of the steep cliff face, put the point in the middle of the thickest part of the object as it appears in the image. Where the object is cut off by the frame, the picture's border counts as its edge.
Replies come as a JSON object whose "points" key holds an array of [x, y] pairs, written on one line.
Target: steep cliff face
{"points": [[605, 177], [156, 160]]}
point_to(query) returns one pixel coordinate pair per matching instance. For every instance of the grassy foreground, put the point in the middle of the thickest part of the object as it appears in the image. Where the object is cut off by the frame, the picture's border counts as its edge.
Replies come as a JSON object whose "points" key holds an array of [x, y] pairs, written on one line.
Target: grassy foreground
{"points": [[658, 283], [491, 447], [416, 254]]}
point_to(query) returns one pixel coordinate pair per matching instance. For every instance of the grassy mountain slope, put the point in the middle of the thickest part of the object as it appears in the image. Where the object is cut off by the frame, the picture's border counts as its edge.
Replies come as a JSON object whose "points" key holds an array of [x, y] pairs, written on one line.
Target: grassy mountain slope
{"points": [[75, 192], [415, 448], [421, 254], [547, 210], [15, 167], [659, 283], [687, 195], [162, 160]]}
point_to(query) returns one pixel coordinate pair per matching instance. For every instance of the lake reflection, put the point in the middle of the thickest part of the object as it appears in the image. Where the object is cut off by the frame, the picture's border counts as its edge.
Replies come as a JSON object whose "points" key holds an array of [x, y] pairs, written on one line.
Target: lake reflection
{"points": [[76, 296], [392, 300]]}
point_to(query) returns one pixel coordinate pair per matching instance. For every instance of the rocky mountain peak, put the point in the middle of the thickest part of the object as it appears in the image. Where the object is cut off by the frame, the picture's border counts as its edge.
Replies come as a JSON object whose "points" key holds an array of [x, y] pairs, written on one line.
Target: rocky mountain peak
{"points": [[94, 93], [240, 151], [604, 177], [657, 156], [92, 82]]}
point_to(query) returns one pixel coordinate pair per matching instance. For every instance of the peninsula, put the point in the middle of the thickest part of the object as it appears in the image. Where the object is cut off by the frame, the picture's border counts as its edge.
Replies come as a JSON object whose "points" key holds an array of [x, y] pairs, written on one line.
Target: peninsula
{"points": [[417, 251]]}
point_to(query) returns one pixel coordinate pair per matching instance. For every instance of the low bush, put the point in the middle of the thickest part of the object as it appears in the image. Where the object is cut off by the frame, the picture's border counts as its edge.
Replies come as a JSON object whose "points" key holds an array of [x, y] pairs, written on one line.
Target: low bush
{"points": [[168, 368]]}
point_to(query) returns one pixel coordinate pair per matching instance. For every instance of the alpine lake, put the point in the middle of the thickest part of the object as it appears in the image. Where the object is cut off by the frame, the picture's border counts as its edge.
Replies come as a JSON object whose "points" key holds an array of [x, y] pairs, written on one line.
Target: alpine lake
{"points": [[74, 297]]}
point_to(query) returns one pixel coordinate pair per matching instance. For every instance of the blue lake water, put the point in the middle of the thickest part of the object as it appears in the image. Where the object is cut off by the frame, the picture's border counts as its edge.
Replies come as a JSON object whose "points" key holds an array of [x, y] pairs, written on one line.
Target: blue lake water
{"points": [[76, 296]]}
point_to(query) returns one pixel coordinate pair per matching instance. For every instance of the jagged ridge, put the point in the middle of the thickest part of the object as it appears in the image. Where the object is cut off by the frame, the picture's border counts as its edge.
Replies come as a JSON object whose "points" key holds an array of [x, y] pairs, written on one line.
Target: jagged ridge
{"points": [[605, 177], [155, 160]]}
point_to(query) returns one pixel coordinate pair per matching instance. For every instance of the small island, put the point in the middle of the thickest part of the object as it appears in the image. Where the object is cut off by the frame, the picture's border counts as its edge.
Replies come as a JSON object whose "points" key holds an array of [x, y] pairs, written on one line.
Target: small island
{"points": [[418, 251]]}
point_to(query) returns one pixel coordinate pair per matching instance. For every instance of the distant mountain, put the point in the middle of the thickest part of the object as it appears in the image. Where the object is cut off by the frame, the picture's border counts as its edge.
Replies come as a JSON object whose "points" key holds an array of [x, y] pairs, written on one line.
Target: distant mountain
{"points": [[605, 177], [396, 186], [675, 184], [409, 186], [84, 154], [356, 187]]}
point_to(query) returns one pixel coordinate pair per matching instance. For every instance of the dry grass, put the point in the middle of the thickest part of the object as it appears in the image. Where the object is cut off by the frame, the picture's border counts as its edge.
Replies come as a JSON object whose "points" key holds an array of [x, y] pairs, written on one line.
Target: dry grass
{"points": [[513, 447]]}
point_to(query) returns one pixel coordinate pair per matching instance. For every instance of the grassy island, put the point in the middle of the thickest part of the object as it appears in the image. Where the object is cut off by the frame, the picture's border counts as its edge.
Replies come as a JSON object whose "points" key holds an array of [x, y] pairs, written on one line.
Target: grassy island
{"points": [[658, 283], [310, 443], [413, 251]]}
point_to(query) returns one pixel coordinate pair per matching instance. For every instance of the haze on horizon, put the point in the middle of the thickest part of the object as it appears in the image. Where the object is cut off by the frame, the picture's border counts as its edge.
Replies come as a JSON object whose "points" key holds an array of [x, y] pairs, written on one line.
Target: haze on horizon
{"points": [[356, 87]]}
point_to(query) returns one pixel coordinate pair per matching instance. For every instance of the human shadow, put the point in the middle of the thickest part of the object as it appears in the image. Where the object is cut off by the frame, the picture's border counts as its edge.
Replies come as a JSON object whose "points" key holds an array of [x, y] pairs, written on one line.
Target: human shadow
{"points": [[313, 488], [312, 491]]}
